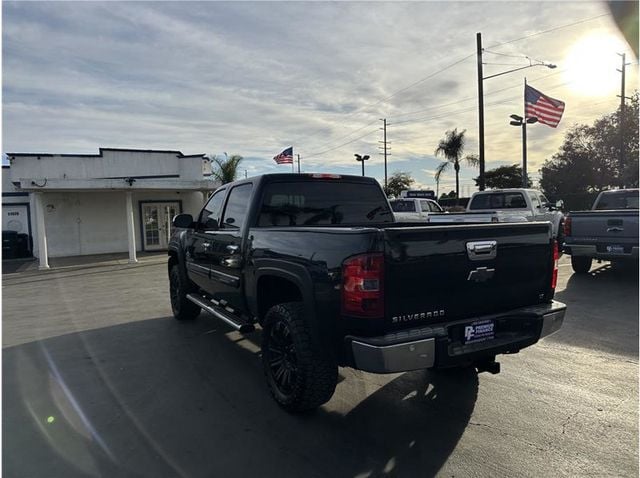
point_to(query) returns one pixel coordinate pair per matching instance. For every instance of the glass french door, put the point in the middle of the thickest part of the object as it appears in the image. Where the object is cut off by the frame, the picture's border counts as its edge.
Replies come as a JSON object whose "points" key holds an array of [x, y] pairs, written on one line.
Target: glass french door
{"points": [[156, 224]]}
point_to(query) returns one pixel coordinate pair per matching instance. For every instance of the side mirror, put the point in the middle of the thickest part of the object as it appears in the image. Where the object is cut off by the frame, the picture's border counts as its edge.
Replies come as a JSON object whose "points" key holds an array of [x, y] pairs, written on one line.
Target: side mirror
{"points": [[183, 221]]}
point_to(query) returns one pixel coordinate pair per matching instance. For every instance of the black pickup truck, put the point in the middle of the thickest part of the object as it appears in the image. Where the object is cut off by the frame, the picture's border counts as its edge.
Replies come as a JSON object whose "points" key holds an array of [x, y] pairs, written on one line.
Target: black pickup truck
{"points": [[319, 263]]}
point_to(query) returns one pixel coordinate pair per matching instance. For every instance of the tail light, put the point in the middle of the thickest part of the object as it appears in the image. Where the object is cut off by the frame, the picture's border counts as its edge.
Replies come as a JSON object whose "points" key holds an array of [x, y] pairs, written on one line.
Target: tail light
{"points": [[362, 286], [556, 258], [567, 226]]}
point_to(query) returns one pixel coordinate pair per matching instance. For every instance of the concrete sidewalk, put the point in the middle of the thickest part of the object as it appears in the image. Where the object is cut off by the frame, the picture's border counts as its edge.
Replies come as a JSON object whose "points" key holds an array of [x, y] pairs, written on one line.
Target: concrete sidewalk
{"points": [[22, 267]]}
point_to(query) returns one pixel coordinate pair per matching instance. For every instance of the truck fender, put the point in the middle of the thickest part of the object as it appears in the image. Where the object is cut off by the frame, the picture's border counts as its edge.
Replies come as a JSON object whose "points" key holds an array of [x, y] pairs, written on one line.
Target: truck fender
{"points": [[294, 273]]}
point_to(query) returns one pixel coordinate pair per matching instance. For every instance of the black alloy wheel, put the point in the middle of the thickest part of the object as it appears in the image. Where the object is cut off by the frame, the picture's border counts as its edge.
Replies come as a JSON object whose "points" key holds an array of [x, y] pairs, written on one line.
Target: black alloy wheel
{"points": [[282, 358]]}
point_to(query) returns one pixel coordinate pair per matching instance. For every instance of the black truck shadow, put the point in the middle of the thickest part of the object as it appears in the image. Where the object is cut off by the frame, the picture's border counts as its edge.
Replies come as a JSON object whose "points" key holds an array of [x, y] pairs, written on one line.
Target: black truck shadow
{"points": [[160, 398]]}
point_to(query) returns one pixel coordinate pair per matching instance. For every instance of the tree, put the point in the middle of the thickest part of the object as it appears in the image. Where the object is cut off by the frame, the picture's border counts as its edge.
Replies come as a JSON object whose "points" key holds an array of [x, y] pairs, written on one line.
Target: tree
{"points": [[398, 182], [451, 148], [589, 158], [449, 195], [503, 177], [226, 169]]}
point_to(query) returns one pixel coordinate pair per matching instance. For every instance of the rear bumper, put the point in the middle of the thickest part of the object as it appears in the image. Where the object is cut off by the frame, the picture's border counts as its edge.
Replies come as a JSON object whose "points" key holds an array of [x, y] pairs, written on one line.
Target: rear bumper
{"points": [[441, 346], [591, 250]]}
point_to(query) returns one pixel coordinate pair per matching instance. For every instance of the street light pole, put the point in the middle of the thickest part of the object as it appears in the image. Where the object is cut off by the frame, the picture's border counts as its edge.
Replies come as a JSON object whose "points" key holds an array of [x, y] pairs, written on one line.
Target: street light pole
{"points": [[520, 121], [361, 159], [480, 112], [481, 78]]}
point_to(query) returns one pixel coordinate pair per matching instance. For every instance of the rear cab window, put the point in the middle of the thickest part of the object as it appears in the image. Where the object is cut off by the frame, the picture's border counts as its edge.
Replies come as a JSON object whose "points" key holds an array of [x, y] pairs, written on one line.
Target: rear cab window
{"points": [[511, 200], [403, 205], [321, 203], [618, 200]]}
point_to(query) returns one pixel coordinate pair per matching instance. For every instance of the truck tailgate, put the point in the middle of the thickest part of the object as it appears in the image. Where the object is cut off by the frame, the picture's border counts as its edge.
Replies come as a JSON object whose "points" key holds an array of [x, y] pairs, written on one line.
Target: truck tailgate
{"points": [[605, 225], [431, 275]]}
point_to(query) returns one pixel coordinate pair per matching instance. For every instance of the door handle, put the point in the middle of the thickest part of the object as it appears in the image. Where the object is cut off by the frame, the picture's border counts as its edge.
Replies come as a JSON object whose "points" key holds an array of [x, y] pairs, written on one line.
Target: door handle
{"points": [[231, 262], [232, 248]]}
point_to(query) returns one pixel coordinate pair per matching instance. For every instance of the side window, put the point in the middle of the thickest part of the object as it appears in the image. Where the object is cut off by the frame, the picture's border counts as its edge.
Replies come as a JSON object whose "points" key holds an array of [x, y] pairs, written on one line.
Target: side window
{"points": [[435, 207], [210, 216], [237, 206], [424, 206], [543, 199], [535, 201]]}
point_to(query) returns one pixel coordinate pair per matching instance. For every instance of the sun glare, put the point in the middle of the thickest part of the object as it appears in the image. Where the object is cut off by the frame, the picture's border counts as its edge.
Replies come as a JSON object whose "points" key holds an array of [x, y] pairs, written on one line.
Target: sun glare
{"points": [[590, 64]]}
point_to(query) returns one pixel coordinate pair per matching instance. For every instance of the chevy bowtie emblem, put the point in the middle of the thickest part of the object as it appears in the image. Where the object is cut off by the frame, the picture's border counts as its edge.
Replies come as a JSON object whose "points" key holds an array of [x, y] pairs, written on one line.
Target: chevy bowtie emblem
{"points": [[481, 274]]}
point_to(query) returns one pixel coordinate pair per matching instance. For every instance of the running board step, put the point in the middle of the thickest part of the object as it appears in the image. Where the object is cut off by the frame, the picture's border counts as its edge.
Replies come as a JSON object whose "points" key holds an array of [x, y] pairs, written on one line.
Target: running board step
{"points": [[209, 306]]}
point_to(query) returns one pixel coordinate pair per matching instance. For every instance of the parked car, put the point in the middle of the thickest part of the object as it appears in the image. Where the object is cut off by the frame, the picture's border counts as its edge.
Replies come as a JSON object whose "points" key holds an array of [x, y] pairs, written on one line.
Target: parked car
{"points": [[319, 262], [413, 209], [608, 232], [510, 205]]}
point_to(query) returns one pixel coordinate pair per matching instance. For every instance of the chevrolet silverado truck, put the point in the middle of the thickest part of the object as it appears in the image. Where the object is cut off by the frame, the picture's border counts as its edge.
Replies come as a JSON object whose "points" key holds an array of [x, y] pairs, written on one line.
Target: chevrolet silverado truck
{"points": [[317, 261], [509, 205], [609, 231]]}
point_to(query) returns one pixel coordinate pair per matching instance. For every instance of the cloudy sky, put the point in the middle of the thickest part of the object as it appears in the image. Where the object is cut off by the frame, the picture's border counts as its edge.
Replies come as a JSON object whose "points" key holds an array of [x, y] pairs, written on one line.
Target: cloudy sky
{"points": [[253, 78]]}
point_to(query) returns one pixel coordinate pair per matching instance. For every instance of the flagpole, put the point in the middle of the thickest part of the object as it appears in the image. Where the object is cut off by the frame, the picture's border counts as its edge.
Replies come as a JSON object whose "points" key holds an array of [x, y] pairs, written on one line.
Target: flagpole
{"points": [[292, 168], [524, 137], [298, 164]]}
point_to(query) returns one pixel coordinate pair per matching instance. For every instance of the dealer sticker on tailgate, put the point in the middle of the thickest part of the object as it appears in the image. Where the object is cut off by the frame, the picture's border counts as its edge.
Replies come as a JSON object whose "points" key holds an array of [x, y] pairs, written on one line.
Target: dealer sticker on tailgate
{"points": [[479, 331]]}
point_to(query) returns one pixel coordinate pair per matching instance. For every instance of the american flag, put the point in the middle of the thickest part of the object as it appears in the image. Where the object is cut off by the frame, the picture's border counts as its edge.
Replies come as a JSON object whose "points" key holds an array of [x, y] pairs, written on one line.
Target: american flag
{"points": [[548, 110], [286, 157]]}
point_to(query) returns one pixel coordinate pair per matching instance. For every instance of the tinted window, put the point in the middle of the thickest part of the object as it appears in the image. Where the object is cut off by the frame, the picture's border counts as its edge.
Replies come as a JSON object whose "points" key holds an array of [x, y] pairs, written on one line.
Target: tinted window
{"points": [[403, 206], [210, 217], [618, 200], [322, 203], [237, 206], [498, 201]]}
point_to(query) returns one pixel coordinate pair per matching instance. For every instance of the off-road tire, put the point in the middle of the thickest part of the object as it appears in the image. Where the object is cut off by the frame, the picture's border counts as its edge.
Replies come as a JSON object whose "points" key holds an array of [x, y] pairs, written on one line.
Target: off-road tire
{"points": [[287, 344], [581, 264], [179, 287]]}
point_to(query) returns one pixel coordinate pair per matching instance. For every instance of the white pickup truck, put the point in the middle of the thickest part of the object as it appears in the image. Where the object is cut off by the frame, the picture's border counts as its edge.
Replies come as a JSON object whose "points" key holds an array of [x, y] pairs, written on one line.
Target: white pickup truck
{"points": [[414, 209], [509, 205]]}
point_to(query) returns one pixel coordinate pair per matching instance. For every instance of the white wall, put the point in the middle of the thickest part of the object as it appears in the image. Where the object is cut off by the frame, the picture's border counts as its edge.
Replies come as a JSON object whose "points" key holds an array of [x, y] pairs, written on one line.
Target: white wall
{"points": [[82, 223]]}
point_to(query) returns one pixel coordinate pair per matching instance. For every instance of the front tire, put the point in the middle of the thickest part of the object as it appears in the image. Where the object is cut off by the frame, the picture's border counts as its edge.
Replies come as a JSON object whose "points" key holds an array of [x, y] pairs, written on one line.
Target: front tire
{"points": [[581, 264], [182, 308], [301, 376]]}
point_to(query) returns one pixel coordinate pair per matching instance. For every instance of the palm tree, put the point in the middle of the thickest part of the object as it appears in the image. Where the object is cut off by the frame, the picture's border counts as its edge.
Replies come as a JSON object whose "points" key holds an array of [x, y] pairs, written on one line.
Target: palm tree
{"points": [[226, 169], [451, 147]]}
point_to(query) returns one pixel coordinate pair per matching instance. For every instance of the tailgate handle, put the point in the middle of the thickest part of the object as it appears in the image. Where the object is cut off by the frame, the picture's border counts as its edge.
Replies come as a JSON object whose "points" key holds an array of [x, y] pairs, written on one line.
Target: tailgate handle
{"points": [[615, 229], [482, 250]]}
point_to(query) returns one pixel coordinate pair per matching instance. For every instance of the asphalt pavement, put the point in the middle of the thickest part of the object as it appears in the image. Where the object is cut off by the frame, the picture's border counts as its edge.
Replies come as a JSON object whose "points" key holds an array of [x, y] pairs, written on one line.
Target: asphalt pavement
{"points": [[99, 380]]}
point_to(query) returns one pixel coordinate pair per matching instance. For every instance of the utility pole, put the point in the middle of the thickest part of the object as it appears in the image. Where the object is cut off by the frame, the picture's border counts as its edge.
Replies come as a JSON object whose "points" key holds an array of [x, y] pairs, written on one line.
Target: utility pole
{"points": [[298, 164], [621, 117], [480, 112], [385, 149], [245, 174]]}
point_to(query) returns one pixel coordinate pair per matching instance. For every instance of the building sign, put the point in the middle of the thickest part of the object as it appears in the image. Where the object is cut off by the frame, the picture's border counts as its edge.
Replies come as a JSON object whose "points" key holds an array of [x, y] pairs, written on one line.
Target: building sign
{"points": [[415, 193]]}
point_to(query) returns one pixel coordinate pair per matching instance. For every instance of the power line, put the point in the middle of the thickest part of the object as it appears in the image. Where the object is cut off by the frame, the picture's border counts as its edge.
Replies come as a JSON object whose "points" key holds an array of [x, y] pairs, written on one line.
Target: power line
{"points": [[550, 30], [451, 65], [422, 80], [346, 135], [341, 145]]}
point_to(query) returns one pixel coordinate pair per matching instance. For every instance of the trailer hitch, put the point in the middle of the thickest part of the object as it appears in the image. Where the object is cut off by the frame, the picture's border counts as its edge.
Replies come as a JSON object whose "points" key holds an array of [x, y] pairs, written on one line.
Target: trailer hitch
{"points": [[490, 366]]}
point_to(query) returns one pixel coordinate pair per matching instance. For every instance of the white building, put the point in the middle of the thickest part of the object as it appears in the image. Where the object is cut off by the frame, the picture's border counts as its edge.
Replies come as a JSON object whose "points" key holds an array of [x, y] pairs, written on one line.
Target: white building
{"points": [[116, 201]]}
